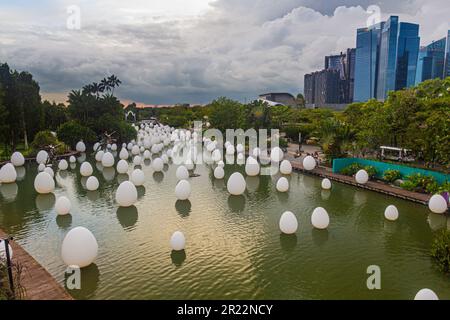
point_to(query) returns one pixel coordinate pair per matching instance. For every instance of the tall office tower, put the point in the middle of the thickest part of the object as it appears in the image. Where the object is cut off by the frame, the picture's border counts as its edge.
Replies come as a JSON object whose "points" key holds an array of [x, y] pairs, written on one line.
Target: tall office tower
{"points": [[350, 74], [309, 88], [388, 58], [344, 63], [367, 56], [431, 61], [408, 44], [327, 87], [336, 62], [447, 57]]}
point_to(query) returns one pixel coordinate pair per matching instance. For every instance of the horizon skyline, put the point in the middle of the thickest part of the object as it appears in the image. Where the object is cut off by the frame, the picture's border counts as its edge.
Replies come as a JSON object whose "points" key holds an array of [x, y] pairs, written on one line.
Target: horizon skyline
{"points": [[165, 57]]}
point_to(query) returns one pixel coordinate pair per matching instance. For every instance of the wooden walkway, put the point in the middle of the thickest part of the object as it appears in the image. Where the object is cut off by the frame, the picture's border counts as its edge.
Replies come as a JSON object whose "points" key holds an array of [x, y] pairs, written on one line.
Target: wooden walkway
{"points": [[38, 283], [371, 185]]}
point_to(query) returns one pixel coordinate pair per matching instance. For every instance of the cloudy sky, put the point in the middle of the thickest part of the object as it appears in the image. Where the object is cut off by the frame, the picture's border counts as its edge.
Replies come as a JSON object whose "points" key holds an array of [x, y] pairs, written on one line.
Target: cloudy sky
{"points": [[172, 51]]}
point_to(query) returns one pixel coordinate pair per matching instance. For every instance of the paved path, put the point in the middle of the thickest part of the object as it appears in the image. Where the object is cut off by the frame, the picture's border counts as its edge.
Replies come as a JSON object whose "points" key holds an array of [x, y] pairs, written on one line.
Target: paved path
{"points": [[38, 283]]}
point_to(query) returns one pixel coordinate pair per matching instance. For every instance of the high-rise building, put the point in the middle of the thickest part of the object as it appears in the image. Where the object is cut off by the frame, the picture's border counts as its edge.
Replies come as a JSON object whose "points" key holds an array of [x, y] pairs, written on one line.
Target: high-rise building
{"points": [[408, 44], [431, 61], [309, 88], [344, 63], [366, 62], [336, 62], [327, 87], [447, 57]]}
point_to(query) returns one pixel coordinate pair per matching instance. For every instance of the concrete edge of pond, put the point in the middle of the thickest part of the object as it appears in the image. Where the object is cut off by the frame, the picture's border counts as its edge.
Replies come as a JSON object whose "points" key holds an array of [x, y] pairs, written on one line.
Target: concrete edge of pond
{"points": [[37, 281], [61, 156]]}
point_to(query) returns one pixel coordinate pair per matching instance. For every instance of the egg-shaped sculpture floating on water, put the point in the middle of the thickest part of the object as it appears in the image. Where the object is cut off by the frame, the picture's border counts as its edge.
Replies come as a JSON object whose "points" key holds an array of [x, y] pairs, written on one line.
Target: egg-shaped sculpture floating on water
{"points": [[216, 155], [79, 247], [183, 190], [391, 213], [236, 184], [8, 173], [426, 294], [50, 171], [41, 167], [252, 167], [96, 146], [147, 154], [165, 158], [99, 156], [137, 177], [114, 147], [72, 159], [108, 160], [276, 155], [239, 148], [157, 164], [80, 147], [285, 167], [288, 223], [282, 184], [63, 165], [17, 159], [189, 164], [126, 194], [92, 183], [219, 173], [309, 163], [135, 150], [44, 183], [362, 177], [122, 166], [320, 218], [86, 169], [437, 204], [177, 241], [137, 160], [221, 164], [42, 157], [123, 154], [182, 173], [326, 184], [230, 149], [62, 206]]}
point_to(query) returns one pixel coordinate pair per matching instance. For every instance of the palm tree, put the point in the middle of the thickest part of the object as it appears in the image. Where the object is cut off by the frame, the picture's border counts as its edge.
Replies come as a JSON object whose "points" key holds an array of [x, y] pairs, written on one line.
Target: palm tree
{"points": [[96, 88], [105, 84], [113, 82]]}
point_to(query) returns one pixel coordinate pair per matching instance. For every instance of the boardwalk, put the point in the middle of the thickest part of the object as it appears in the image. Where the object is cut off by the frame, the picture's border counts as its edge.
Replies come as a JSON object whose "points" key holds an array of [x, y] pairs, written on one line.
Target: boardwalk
{"points": [[38, 283], [371, 185]]}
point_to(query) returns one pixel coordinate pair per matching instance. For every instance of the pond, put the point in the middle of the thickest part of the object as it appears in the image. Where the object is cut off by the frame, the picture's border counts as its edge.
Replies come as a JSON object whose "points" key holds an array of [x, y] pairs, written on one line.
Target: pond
{"points": [[234, 249]]}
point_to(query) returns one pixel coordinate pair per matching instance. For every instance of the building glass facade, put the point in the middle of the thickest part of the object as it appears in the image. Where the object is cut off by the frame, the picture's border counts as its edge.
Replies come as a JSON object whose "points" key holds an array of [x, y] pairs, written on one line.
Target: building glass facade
{"points": [[431, 62], [408, 44], [388, 58]]}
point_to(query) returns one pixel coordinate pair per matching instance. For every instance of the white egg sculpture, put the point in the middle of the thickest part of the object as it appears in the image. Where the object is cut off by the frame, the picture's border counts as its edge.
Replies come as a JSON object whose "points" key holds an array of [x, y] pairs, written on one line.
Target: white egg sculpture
{"points": [[240, 148], [86, 169], [288, 223], [108, 160], [147, 154], [276, 155], [72, 159], [282, 184], [137, 160], [63, 165], [122, 166], [426, 294], [50, 171], [216, 155], [41, 167], [189, 164], [79, 248], [309, 163], [99, 156], [437, 204], [182, 173], [391, 213], [62, 206], [252, 167], [92, 183], [230, 150], [236, 184], [17, 159], [177, 241], [138, 177], [320, 218], [8, 173], [126, 194], [256, 152], [219, 173], [123, 154], [157, 164], [96, 146], [80, 147], [362, 177], [183, 190], [221, 164], [42, 157], [44, 183], [114, 147], [285, 167], [135, 150], [165, 158], [326, 184]]}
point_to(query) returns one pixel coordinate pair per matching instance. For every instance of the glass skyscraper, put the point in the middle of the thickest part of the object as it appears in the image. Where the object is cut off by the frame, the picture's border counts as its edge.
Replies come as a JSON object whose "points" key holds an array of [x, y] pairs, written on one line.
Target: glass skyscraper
{"points": [[431, 62], [408, 44], [366, 62], [388, 58]]}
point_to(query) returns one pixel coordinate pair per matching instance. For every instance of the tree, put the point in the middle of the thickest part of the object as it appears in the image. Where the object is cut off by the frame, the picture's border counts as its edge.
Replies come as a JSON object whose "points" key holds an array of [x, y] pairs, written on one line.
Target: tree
{"points": [[300, 99], [226, 114]]}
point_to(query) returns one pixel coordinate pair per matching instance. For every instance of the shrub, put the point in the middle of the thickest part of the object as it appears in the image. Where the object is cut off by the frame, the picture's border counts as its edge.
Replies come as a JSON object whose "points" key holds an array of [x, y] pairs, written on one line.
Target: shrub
{"points": [[420, 183], [71, 132], [371, 171], [391, 175], [351, 169], [43, 139], [283, 143], [440, 250]]}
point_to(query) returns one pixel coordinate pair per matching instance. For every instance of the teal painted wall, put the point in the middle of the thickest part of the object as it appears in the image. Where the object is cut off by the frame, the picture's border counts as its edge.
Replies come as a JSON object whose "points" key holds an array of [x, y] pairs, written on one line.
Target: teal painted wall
{"points": [[339, 164]]}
